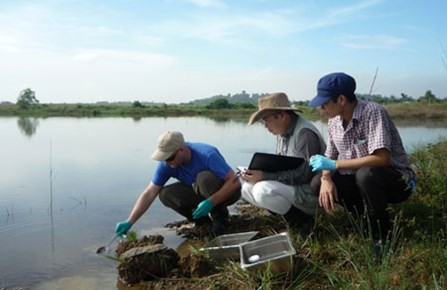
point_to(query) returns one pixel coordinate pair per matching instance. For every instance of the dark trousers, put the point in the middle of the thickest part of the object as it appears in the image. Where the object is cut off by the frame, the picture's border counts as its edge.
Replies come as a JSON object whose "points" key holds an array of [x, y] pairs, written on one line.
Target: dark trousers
{"points": [[184, 198], [373, 187]]}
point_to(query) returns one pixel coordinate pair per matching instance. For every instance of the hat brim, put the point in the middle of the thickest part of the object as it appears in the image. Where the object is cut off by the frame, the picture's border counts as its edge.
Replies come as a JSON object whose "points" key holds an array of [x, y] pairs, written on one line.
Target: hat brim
{"points": [[256, 116], [161, 155], [318, 101]]}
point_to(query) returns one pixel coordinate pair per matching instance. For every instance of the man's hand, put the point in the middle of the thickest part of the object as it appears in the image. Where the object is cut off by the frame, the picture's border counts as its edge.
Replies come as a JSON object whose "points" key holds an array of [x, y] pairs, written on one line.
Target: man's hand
{"points": [[319, 162], [122, 228], [252, 176], [203, 209], [328, 194]]}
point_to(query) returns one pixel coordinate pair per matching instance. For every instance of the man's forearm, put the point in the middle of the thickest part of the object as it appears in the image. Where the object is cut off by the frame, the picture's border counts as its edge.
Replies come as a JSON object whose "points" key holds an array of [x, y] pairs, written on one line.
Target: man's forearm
{"points": [[142, 204], [227, 189], [326, 175]]}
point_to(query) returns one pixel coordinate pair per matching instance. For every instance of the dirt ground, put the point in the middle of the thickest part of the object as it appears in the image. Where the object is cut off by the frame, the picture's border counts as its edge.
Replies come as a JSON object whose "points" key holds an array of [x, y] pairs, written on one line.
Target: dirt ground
{"points": [[187, 267]]}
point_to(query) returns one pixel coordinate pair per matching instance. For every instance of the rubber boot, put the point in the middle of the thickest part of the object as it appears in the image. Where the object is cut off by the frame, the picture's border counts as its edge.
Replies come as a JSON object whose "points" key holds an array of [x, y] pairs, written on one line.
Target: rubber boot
{"points": [[219, 215], [301, 221]]}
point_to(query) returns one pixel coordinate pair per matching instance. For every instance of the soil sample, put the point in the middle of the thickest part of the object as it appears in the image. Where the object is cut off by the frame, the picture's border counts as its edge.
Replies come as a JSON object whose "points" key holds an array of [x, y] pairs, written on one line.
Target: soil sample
{"points": [[144, 260]]}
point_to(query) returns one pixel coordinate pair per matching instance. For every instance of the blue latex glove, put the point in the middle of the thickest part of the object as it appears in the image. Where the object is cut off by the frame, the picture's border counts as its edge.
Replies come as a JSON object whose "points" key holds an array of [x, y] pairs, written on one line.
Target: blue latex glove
{"points": [[203, 209], [122, 228], [319, 162]]}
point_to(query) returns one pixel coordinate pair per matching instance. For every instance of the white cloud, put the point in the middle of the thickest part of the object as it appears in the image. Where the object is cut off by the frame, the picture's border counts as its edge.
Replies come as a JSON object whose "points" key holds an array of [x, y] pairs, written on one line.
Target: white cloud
{"points": [[281, 22], [336, 15], [7, 40], [203, 3], [208, 3], [380, 42], [8, 44], [349, 10], [237, 29], [129, 57]]}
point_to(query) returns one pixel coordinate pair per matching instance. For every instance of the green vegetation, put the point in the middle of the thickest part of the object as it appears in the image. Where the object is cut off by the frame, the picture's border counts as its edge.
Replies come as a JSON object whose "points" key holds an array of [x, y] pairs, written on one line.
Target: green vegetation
{"points": [[217, 109], [27, 98], [114, 110], [234, 106], [341, 260], [337, 258], [420, 258], [242, 97]]}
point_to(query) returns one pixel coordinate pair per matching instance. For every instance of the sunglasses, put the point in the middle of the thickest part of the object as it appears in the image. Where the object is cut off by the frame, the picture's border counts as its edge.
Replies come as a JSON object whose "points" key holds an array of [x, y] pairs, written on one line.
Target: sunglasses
{"points": [[172, 157]]}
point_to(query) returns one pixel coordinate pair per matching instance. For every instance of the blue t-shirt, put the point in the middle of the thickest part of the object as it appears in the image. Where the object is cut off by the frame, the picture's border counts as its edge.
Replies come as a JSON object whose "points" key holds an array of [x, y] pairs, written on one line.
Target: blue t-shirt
{"points": [[204, 157]]}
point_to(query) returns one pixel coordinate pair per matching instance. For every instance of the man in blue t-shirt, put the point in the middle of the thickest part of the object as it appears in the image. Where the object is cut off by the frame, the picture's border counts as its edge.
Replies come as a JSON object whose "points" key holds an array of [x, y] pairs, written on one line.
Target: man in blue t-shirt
{"points": [[206, 183]]}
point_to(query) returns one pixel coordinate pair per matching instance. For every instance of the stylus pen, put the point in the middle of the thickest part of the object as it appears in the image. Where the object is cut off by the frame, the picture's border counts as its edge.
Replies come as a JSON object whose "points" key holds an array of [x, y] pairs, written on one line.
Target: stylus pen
{"points": [[237, 175]]}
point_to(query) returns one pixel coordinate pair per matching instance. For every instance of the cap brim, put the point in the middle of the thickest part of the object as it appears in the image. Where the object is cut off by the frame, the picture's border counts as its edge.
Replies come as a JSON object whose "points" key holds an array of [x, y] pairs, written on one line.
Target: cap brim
{"points": [[318, 101], [161, 155]]}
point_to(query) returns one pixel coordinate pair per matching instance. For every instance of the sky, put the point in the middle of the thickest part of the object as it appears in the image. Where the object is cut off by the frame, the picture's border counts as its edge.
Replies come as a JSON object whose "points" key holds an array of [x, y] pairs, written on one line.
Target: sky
{"points": [[175, 51]]}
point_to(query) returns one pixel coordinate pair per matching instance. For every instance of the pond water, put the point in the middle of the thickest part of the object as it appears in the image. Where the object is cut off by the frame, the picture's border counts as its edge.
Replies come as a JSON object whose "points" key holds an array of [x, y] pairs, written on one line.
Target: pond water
{"points": [[65, 182]]}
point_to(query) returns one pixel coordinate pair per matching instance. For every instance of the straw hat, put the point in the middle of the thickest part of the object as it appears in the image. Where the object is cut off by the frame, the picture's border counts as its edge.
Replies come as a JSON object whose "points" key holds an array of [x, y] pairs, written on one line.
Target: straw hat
{"points": [[269, 104]]}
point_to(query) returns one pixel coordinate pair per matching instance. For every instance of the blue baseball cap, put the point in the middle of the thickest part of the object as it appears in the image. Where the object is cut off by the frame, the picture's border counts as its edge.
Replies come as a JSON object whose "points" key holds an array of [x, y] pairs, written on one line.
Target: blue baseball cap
{"points": [[333, 85]]}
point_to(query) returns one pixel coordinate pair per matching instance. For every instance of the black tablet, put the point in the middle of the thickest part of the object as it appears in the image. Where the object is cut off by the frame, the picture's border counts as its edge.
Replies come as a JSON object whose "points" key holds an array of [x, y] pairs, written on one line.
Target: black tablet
{"points": [[274, 162]]}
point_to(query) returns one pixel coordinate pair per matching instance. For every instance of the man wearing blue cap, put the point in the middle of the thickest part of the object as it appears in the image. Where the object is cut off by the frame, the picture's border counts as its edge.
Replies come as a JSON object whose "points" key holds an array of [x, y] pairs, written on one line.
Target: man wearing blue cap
{"points": [[365, 163]]}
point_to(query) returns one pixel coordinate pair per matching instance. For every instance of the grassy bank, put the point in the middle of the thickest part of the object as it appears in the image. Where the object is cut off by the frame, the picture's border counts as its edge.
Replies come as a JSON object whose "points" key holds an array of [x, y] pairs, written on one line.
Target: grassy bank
{"points": [[115, 110], [436, 111], [407, 111], [403, 112], [336, 256]]}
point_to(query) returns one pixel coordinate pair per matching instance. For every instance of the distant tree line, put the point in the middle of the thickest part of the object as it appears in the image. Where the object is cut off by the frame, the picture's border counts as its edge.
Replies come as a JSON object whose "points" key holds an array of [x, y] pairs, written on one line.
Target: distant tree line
{"points": [[243, 100], [240, 98], [428, 98]]}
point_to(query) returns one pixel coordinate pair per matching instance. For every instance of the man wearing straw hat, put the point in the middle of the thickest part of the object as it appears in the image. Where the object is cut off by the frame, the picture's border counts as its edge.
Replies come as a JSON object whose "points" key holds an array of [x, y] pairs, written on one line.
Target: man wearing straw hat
{"points": [[287, 193]]}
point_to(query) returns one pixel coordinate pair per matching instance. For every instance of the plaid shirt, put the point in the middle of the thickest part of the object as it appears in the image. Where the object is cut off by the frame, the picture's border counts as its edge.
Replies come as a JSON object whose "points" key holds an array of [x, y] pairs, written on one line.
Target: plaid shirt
{"points": [[370, 128]]}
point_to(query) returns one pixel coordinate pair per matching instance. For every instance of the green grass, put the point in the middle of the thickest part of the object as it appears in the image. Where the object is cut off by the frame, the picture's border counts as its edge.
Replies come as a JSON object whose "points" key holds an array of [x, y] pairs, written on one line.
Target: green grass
{"points": [[336, 258], [436, 111], [410, 111], [116, 110]]}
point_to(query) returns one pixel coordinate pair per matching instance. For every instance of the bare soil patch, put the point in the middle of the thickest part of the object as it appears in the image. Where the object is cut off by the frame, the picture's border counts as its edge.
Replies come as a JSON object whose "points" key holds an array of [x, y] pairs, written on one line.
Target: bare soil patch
{"points": [[165, 268]]}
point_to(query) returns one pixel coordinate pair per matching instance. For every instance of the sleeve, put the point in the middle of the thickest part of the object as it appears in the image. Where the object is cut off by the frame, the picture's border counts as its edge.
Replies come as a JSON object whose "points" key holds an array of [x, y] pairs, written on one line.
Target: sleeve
{"points": [[379, 135], [331, 149], [217, 164], [161, 175], [306, 145]]}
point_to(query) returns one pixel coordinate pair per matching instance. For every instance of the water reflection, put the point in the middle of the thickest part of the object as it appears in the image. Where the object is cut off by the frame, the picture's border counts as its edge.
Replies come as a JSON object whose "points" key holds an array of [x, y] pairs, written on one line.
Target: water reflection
{"points": [[137, 119], [50, 208], [227, 118], [28, 125]]}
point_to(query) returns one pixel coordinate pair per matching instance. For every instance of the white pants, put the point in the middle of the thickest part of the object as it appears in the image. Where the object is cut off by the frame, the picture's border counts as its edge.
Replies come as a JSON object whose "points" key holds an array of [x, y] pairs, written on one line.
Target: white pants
{"points": [[272, 195], [278, 197]]}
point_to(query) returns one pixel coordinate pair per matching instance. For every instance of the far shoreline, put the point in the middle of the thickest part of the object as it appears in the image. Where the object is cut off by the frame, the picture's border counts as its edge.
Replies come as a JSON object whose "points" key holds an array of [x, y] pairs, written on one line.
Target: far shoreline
{"points": [[436, 112]]}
